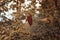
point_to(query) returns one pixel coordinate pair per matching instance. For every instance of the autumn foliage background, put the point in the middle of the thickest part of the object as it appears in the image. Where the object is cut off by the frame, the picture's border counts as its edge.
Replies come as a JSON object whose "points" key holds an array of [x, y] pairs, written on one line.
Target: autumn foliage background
{"points": [[46, 26]]}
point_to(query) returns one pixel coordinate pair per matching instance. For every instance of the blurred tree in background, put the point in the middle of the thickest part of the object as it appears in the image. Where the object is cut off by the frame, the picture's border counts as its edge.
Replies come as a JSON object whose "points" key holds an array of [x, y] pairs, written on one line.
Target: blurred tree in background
{"points": [[45, 20]]}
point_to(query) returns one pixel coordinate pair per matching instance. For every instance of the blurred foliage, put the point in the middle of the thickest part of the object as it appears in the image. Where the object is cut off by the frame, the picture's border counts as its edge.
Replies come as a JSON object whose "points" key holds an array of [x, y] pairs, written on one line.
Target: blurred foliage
{"points": [[45, 27]]}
